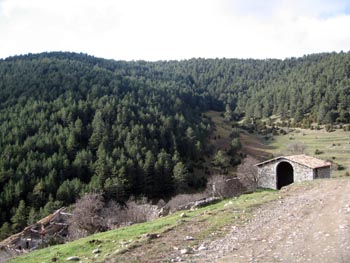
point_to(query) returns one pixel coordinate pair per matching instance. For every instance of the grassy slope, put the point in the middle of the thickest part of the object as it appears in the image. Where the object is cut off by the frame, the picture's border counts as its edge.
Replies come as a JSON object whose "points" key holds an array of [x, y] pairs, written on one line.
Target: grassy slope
{"points": [[126, 243], [113, 243], [334, 146], [250, 144]]}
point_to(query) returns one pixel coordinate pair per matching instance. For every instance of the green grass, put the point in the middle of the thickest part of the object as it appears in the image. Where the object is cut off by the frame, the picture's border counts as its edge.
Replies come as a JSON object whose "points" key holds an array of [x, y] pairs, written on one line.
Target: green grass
{"points": [[110, 242], [335, 146], [209, 220]]}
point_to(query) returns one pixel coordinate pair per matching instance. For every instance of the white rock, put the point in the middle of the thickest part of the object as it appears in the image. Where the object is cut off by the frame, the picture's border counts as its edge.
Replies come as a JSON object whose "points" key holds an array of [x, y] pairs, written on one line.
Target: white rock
{"points": [[74, 258], [201, 247], [228, 203], [96, 251], [186, 251], [182, 215]]}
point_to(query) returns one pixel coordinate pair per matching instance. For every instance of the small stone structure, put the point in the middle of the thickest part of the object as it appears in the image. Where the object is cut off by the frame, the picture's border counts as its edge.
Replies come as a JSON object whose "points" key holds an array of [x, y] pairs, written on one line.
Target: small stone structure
{"points": [[54, 227], [284, 170]]}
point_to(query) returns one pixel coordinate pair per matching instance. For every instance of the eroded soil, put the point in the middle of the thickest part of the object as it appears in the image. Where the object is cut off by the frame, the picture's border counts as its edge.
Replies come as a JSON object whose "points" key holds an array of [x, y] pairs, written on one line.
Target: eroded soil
{"points": [[307, 224]]}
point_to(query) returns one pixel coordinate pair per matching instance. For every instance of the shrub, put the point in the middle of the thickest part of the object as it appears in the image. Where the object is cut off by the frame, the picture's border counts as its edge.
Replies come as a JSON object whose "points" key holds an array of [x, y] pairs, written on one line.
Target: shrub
{"points": [[224, 186], [138, 211], [329, 128], [86, 218], [220, 159], [180, 200], [296, 148], [91, 214], [248, 174], [340, 167], [317, 152]]}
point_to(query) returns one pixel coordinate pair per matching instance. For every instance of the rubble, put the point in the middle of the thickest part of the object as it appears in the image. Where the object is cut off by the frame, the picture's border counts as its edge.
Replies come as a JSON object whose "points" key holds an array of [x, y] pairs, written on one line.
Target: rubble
{"points": [[54, 227]]}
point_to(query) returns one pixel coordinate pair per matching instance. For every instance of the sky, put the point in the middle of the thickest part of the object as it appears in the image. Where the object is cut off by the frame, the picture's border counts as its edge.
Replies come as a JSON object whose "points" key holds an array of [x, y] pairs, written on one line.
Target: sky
{"points": [[175, 29]]}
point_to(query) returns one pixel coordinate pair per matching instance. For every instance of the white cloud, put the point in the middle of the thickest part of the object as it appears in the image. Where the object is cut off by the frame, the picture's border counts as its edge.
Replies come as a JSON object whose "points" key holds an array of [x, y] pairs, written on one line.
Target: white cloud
{"points": [[174, 29]]}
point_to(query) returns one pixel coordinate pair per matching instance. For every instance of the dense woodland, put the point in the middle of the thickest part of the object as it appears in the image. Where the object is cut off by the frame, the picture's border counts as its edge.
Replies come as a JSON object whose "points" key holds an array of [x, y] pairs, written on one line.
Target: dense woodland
{"points": [[72, 123]]}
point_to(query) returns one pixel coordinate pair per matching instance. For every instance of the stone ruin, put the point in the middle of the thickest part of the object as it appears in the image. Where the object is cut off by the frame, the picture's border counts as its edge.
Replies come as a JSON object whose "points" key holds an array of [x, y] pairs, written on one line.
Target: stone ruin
{"points": [[53, 228]]}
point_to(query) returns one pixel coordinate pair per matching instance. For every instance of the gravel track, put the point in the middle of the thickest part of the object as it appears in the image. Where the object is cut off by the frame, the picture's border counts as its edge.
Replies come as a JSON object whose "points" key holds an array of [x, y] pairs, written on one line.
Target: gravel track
{"points": [[309, 223]]}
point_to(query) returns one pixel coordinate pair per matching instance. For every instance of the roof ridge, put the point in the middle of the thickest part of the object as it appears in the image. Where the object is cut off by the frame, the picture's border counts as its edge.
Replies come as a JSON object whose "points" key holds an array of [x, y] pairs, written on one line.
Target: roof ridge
{"points": [[302, 159]]}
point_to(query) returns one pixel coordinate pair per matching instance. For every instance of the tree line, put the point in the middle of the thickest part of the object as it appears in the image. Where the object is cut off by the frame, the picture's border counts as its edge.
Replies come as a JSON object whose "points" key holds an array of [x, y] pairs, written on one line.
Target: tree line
{"points": [[72, 123]]}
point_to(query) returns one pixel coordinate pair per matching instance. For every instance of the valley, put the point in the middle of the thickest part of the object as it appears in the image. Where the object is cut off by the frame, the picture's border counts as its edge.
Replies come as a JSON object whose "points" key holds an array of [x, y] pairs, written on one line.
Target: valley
{"points": [[73, 125]]}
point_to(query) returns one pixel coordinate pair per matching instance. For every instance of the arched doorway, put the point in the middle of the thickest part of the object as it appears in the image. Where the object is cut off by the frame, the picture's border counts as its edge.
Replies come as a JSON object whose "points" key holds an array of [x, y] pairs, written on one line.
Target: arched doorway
{"points": [[284, 174]]}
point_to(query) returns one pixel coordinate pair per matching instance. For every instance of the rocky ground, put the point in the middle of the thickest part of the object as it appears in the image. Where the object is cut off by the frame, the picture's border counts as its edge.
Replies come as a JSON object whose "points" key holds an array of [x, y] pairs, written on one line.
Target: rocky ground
{"points": [[309, 223]]}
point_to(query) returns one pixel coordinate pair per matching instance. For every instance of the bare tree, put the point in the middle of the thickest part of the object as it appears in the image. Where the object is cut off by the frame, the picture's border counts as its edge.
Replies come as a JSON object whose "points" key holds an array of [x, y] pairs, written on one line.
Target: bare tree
{"points": [[178, 201], [223, 186], [138, 211], [247, 173], [86, 218], [295, 148], [111, 213]]}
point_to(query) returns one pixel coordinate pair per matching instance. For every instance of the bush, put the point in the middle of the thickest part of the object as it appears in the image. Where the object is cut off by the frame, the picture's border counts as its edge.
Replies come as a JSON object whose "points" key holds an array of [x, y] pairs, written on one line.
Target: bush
{"points": [[180, 200], [137, 211], [296, 148], [86, 218], [234, 133], [340, 167], [317, 152], [248, 174], [329, 128], [220, 159], [224, 186], [346, 128], [92, 215]]}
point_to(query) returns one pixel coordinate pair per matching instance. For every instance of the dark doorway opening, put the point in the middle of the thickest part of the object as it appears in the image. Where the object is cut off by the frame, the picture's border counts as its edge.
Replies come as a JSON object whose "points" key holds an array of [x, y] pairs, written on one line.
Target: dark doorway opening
{"points": [[285, 174]]}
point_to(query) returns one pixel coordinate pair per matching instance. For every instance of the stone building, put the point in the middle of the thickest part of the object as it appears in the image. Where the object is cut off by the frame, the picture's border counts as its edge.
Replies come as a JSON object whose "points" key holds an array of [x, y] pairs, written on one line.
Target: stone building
{"points": [[284, 170], [53, 228]]}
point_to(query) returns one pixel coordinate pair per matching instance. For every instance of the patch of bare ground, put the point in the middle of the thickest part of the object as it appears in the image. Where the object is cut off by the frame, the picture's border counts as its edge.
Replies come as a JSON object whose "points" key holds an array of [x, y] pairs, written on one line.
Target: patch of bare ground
{"points": [[167, 247], [254, 147], [309, 223]]}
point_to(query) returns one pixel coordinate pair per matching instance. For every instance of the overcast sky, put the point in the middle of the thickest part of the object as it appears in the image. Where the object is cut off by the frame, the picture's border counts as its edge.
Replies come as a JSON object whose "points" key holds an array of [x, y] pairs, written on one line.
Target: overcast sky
{"points": [[175, 29]]}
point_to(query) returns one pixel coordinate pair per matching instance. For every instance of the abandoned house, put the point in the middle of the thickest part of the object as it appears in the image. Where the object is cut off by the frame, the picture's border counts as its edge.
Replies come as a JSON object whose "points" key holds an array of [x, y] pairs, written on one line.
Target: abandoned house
{"points": [[54, 227], [284, 170]]}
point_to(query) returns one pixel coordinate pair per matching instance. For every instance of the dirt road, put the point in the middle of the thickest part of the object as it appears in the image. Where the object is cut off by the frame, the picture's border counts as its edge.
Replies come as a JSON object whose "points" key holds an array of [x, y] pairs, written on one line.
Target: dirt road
{"points": [[309, 223]]}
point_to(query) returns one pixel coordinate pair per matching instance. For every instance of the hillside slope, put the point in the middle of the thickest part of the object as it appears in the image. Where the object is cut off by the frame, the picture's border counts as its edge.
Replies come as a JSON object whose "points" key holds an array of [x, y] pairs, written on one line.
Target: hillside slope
{"points": [[306, 222], [71, 123], [309, 223]]}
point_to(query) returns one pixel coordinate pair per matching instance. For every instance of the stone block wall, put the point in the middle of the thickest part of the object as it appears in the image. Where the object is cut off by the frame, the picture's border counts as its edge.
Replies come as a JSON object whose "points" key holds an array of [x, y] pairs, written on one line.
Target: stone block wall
{"points": [[323, 172], [268, 177], [302, 173]]}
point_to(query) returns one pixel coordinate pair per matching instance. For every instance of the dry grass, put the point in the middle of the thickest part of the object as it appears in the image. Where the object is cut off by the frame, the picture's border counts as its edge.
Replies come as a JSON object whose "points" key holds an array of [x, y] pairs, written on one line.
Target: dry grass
{"points": [[334, 146]]}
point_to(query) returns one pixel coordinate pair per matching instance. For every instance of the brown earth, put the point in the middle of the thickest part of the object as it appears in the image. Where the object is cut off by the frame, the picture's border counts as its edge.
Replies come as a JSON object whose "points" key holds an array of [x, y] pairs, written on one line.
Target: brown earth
{"points": [[254, 147], [309, 223]]}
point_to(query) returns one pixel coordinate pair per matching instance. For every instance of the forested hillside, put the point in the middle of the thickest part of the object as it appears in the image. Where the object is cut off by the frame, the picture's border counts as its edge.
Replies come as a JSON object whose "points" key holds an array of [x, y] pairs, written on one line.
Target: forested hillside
{"points": [[71, 123]]}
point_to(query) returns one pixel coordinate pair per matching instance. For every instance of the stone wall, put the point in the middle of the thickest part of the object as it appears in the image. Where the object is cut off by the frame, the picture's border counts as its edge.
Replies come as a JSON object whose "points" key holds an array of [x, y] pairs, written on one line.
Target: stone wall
{"points": [[302, 173], [323, 172], [268, 177]]}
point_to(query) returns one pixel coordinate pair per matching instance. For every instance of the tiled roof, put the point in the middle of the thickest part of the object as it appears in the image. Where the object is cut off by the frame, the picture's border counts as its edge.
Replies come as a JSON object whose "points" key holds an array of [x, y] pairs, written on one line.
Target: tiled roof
{"points": [[302, 159]]}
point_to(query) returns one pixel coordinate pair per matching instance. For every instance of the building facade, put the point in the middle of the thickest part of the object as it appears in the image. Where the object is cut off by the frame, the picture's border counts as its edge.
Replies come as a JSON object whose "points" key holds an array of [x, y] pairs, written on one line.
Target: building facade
{"points": [[284, 170]]}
